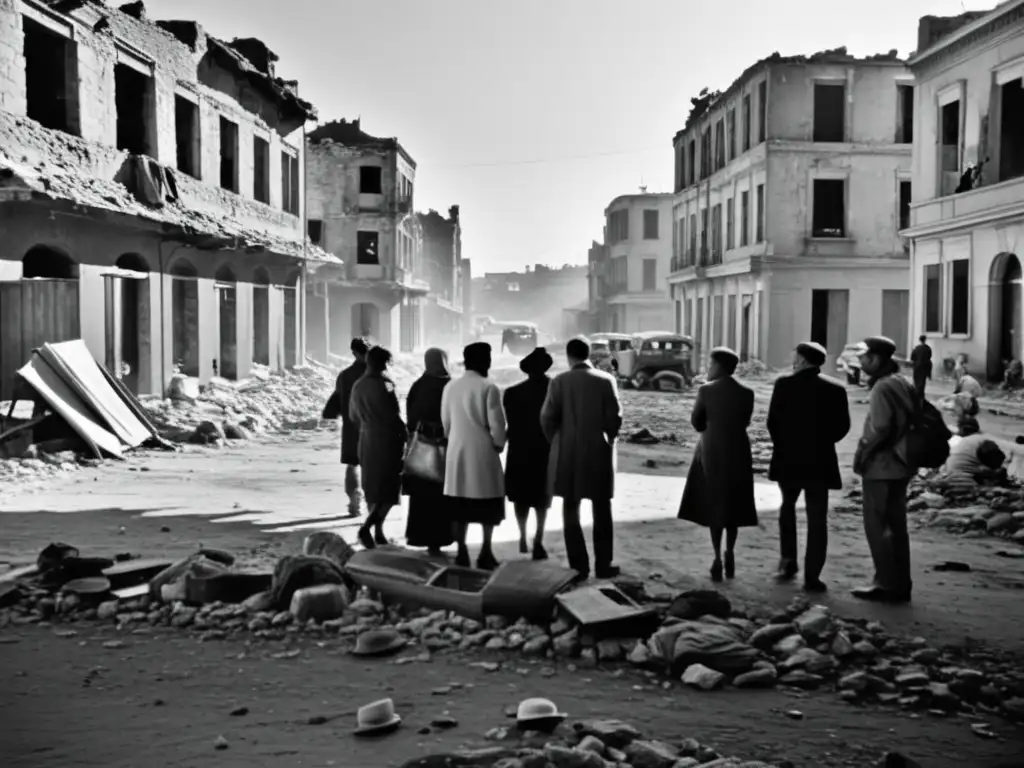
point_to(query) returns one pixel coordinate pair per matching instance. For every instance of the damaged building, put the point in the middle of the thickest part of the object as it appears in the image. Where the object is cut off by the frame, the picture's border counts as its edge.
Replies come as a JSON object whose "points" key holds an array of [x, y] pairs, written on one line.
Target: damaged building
{"points": [[448, 276], [791, 188], [150, 195], [966, 225]]}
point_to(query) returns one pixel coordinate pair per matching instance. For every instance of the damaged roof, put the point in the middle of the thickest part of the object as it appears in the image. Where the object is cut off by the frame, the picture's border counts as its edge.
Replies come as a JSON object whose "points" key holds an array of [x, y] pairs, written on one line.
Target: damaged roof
{"points": [[831, 56], [348, 133]]}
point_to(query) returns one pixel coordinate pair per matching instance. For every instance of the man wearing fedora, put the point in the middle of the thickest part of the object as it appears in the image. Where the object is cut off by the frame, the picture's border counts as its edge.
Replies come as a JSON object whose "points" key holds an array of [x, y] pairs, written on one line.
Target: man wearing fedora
{"points": [[808, 415], [581, 418], [882, 463]]}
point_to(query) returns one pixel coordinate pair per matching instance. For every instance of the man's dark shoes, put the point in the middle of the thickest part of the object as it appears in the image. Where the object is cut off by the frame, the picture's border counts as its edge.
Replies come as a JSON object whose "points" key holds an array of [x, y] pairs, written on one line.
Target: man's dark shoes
{"points": [[462, 558], [876, 594], [730, 565], [366, 538], [814, 585], [787, 571], [608, 572], [539, 553]]}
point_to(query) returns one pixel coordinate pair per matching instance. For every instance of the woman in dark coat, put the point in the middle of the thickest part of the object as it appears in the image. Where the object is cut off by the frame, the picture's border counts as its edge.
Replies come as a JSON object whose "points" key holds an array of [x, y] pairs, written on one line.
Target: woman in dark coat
{"points": [[374, 408], [719, 492], [428, 524], [526, 466]]}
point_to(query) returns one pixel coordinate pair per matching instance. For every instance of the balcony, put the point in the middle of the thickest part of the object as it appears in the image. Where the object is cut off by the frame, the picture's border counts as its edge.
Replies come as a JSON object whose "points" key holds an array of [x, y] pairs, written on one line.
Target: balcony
{"points": [[973, 208]]}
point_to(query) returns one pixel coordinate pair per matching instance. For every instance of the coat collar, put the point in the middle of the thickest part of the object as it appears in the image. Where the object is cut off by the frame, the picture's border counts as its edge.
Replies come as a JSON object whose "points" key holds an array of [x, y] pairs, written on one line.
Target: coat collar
{"points": [[583, 365]]}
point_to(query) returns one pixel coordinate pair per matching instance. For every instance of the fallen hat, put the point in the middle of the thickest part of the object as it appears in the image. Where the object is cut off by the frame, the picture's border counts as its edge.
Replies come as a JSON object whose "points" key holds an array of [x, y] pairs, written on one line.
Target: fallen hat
{"points": [[812, 352], [378, 642], [538, 361], [537, 713], [879, 345], [377, 718]]}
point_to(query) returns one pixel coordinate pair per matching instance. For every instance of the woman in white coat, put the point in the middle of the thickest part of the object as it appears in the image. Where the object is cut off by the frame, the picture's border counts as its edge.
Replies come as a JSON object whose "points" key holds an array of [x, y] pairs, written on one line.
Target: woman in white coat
{"points": [[474, 423]]}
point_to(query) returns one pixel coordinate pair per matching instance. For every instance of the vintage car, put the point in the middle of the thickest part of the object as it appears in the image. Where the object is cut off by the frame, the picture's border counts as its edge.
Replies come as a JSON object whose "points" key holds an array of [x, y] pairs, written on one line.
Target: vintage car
{"points": [[605, 346], [518, 338], [848, 363], [655, 358]]}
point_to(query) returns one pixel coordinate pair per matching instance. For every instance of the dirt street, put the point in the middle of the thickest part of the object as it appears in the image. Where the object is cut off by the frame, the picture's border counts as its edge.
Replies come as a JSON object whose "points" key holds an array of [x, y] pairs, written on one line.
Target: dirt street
{"points": [[162, 698]]}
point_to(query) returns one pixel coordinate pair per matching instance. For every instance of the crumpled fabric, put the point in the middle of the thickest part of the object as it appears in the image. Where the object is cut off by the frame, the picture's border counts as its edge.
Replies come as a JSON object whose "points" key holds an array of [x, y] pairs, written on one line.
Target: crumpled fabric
{"points": [[712, 642]]}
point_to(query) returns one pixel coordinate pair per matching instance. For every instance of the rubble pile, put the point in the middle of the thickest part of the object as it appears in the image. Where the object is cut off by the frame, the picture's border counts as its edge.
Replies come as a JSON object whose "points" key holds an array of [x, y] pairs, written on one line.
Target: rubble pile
{"points": [[38, 465]]}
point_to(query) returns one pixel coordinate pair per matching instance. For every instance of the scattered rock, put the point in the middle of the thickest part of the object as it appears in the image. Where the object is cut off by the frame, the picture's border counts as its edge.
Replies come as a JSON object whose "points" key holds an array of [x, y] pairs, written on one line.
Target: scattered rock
{"points": [[699, 676], [220, 743], [764, 677]]}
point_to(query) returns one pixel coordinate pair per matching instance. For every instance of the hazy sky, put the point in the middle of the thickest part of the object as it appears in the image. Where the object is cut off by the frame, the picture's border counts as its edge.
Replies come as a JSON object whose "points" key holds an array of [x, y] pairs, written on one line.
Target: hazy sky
{"points": [[533, 114]]}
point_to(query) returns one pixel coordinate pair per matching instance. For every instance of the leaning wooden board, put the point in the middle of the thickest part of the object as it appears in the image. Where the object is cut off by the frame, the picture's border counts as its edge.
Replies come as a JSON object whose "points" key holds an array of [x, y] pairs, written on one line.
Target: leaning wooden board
{"points": [[602, 609]]}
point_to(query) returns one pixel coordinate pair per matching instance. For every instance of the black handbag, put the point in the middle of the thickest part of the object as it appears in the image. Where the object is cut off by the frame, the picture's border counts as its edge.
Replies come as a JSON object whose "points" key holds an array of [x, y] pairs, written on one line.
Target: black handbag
{"points": [[332, 408]]}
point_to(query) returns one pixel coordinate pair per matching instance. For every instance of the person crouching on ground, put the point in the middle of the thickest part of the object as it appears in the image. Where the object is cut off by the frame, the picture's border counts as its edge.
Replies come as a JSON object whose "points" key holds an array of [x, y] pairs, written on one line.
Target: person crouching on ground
{"points": [[374, 408], [474, 423], [526, 467], [719, 491], [881, 462], [808, 415]]}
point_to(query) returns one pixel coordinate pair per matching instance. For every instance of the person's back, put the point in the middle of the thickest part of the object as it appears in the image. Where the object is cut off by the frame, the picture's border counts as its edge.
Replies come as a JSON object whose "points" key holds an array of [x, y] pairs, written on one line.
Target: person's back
{"points": [[891, 406], [728, 405], [586, 390]]}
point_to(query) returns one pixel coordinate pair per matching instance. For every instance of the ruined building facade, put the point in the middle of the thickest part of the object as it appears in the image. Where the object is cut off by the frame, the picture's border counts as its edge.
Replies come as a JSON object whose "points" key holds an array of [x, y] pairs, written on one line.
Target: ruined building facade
{"points": [[791, 189], [447, 274], [150, 195], [966, 224]]}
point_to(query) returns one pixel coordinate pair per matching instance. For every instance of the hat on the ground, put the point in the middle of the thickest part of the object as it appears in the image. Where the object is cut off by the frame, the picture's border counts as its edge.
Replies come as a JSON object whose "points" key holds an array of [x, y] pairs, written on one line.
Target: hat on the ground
{"points": [[879, 345], [812, 352], [538, 361], [378, 642], [377, 718], [538, 715], [724, 355]]}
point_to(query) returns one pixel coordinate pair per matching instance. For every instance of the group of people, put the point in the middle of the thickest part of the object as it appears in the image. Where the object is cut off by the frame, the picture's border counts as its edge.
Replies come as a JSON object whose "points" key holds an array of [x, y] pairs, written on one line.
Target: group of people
{"points": [[560, 435]]}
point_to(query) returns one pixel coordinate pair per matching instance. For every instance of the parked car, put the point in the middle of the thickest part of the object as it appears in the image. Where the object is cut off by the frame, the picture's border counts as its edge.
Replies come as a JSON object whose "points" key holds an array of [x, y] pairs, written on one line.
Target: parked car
{"points": [[848, 363], [604, 347], [519, 338], [656, 356]]}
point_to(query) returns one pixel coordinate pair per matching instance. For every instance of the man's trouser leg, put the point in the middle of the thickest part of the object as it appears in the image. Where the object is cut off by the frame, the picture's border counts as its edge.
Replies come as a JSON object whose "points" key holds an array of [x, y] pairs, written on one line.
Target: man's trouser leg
{"points": [[787, 530], [816, 501], [353, 489], [885, 525], [604, 534], [575, 543]]}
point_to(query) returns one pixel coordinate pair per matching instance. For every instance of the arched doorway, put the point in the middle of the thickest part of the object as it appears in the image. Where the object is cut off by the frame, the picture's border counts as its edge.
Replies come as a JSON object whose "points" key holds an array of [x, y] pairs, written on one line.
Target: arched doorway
{"points": [[43, 261], [261, 316], [226, 364], [291, 319], [1006, 322], [127, 304], [185, 317]]}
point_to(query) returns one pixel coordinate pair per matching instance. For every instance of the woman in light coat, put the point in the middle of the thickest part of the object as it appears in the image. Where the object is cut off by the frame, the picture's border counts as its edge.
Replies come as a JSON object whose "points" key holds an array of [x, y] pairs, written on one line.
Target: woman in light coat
{"points": [[474, 424]]}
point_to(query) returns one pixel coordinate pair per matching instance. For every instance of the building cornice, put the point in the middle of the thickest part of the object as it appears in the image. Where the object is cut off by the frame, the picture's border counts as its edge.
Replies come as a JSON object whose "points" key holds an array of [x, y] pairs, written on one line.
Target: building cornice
{"points": [[841, 148], [968, 36], [1004, 214], [796, 263]]}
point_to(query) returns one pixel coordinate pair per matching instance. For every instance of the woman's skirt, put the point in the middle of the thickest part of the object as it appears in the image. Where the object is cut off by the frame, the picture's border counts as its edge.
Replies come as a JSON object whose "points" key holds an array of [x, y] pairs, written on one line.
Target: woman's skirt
{"points": [[479, 511], [429, 523]]}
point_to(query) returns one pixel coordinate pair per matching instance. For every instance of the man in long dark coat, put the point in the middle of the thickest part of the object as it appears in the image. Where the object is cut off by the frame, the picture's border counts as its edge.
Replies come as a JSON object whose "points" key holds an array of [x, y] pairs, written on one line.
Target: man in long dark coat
{"points": [[808, 415], [581, 417], [349, 429], [921, 360]]}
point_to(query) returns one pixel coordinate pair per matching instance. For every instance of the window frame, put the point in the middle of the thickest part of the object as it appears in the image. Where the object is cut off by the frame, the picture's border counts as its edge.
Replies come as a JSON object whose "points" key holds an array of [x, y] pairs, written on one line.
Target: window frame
{"points": [[937, 330], [949, 267], [843, 178]]}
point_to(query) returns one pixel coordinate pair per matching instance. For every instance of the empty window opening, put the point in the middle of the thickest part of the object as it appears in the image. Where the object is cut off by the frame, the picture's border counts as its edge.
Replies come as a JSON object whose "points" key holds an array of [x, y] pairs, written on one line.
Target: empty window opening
{"points": [[650, 225], [719, 144], [693, 238], [829, 112], [261, 317], [1011, 131], [732, 133], [135, 102], [760, 213], [904, 114], [315, 230], [704, 236], [904, 204], [951, 137], [290, 183], [716, 234], [730, 224], [366, 247], [46, 262], [960, 295], [932, 298], [762, 111], [746, 122], [228, 154], [650, 275], [261, 169], [691, 162], [829, 208], [744, 218], [51, 77], [370, 180], [187, 136], [185, 318]]}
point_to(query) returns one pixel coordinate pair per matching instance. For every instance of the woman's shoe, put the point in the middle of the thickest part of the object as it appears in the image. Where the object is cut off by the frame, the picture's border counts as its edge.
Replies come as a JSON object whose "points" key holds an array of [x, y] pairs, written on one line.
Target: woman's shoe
{"points": [[486, 562], [523, 547], [539, 553], [380, 539], [716, 570], [366, 538], [462, 559], [730, 565]]}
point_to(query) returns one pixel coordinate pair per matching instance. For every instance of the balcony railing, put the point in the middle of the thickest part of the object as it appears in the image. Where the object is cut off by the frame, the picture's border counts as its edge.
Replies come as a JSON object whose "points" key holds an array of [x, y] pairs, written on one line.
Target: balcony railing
{"points": [[970, 203]]}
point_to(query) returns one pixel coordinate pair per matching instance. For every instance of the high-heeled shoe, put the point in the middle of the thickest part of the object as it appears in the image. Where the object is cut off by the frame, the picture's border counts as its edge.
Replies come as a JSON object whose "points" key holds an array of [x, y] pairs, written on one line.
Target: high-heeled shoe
{"points": [[716, 570], [730, 565], [523, 547], [366, 538], [539, 553], [380, 539], [486, 561]]}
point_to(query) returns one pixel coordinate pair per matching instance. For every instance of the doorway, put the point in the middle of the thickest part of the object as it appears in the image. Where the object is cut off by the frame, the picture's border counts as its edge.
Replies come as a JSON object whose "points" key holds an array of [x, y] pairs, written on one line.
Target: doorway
{"points": [[896, 317], [291, 321], [185, 318], [1004, 314], [227, 303], [745, 327], [261, 317], [127, 310], [830, 315]]}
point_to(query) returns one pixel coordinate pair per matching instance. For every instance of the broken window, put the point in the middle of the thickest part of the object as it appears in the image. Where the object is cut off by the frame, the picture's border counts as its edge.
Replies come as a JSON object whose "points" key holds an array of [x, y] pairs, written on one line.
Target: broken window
{"points": [[650, 225], [1011, 130], [732, 133], [746, 122], [692, 162], [745, 217], [370, 180], [135, 102], [760, 213], [719, 144], [51, 77], [228, 154], [904, 114], [904, 204], [290, 183], [730, 224], [650, 275], [366, 247], [762, 111], [829, 112], [315, 230], [932, 298], [261, 169], [618, 226], [829, 213], [187, 136], [960, 274]]}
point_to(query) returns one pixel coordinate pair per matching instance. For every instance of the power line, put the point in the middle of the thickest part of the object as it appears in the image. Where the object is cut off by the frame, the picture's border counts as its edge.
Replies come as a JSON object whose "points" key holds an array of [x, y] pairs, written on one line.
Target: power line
{"points": [[542, 160]]}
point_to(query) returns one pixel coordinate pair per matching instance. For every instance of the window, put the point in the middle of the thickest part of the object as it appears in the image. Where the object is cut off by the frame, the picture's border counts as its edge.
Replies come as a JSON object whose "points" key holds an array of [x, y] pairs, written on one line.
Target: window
{"points": [[746, 122], [829, 212], [693, 238], [618, 226], [719, 144], [650, 225], [932, 298], [650, 275], [744, 218], [762, 111], [730, 224], [290, 183], [228, 154], [261, 169], [704, 236], [904, 114], [315, 230], [904, 204], [187, 136], [512, 287], [716, 234], [135, 105], [370, 180], [716, 321], [680, 167], [1011, 130], [730, 323], [51, 77], [705, 153], [692, 161], [829, 112], [366, 247], [950, 134], [732, 133], [960, 299], [760, 213]]}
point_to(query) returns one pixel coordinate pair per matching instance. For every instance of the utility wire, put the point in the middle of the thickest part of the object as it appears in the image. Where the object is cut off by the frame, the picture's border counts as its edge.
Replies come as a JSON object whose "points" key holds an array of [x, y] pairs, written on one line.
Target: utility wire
{"points": [[542, 160]]}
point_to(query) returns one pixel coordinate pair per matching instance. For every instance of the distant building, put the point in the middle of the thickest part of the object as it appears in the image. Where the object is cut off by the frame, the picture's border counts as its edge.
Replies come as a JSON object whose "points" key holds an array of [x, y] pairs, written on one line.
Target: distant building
{"points": [[360, 209], [629, 272], [791, 187], [441, 265], [535, 295], [966, 225]]}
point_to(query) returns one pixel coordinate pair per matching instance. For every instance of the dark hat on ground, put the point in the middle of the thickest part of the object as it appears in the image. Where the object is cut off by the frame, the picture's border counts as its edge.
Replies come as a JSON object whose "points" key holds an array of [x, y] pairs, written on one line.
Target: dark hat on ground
{"points": [[538, 361], [724, 355], [879, 345], [812, 352]]}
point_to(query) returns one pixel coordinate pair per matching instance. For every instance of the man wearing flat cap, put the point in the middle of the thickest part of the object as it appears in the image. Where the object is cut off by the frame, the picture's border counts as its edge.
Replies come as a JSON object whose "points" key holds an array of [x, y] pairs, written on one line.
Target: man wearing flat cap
{"points": [[881, 461], [808, 415]]}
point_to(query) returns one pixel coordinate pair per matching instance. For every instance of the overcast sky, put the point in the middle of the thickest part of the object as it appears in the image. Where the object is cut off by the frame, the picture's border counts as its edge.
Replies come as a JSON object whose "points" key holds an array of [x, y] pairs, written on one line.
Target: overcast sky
{"points": [[533, 114]]}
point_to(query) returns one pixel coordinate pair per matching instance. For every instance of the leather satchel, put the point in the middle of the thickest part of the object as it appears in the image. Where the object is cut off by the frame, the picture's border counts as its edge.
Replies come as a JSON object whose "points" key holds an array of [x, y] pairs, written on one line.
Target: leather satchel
{"points": [[425, 457]]}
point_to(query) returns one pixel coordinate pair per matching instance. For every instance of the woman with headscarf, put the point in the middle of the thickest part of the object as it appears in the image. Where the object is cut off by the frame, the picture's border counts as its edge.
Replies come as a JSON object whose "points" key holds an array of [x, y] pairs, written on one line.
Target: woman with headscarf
{"points": [[374, 408], [526, 467], [474, 423], [428, 525]]}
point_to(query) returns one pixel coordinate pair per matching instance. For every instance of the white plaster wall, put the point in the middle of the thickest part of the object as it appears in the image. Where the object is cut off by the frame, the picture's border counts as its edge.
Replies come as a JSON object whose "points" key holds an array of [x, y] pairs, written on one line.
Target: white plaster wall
{"points": [[244, 328]]}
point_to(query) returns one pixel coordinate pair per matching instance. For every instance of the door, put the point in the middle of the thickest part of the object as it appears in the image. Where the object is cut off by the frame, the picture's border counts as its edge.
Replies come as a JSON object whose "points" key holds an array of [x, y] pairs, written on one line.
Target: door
{"points": [[896, 317], [1010, 346], [227, 302], [291, 327], [127, 312], [830, 315], [745, 327]]}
